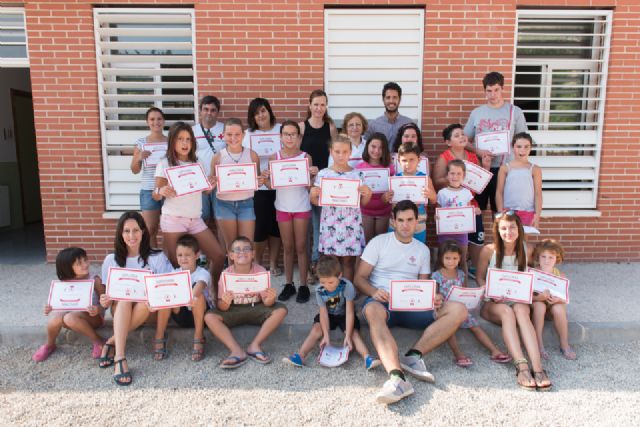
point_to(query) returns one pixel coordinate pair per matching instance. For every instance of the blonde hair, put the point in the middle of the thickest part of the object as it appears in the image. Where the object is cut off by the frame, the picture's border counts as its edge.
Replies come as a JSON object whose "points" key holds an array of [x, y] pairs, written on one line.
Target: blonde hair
{"points": [[550, 245]]}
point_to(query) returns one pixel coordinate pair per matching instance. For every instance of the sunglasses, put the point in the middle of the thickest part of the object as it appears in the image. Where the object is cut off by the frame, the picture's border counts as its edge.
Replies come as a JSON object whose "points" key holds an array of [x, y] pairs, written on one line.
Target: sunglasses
{"points": [[510, 212]]}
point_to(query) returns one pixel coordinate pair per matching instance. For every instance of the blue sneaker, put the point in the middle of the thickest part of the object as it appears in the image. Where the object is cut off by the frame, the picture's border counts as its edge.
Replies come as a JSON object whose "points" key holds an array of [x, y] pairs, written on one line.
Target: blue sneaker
{"points": [[371, 363], [294, 359]]}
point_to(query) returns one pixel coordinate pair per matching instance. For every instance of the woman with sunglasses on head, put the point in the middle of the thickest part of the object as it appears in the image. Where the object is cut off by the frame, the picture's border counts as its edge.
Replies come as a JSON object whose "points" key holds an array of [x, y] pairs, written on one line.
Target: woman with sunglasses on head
{"points": [[509, 251]]}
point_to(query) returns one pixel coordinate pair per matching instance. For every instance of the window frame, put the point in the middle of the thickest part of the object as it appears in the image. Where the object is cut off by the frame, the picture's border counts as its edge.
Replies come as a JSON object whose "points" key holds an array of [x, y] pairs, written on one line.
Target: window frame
{"points": [[9, 62]]}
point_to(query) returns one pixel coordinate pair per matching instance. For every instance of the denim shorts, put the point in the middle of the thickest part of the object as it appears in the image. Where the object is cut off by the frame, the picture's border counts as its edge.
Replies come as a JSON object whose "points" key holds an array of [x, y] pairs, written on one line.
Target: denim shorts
{"points": [[419, 320], [208, 203], [241, 210], [147, 203]]}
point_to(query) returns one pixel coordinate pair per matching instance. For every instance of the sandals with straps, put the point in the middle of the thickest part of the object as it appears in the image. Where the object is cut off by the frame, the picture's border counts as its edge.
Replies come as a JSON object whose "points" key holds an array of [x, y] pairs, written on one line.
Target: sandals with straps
{"points": [[122, 376], [106, 360], [197, 354], [525, 373], [539, 378], [160, 353]]}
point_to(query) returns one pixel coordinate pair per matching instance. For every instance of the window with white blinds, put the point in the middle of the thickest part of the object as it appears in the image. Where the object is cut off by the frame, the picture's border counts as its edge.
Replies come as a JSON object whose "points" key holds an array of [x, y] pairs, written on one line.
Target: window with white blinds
{"points": [[145, 58], [560, 84], [13, 38], [366, 48]]}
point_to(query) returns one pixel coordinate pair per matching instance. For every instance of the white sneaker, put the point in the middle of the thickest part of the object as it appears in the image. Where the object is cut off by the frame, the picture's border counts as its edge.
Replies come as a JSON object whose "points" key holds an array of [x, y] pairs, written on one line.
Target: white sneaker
{"points": [[393, 390], [415, 366]]}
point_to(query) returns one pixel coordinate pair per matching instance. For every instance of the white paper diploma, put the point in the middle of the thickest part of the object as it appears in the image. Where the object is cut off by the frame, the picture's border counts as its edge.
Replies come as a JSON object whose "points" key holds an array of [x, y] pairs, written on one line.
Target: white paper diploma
{"points": [[340, 192], [169, 290], [70, 295], [376, 179], [265, 144], [233, 178], [126, 284], [494, 142], [470, 297], [423, 164], [289, 173], [333, 356], [530, 230], [476, 178], [412, 295], [455, 220], [558, 286], [514, 286], [157, 149], [187, 179], [242, 284], [408, 188]]}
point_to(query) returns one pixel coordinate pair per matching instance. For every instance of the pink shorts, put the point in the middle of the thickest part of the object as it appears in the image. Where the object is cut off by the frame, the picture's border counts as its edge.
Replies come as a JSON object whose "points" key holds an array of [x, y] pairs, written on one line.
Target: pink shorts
{"points": [[290, 216], [526, 217], [180, 224]]}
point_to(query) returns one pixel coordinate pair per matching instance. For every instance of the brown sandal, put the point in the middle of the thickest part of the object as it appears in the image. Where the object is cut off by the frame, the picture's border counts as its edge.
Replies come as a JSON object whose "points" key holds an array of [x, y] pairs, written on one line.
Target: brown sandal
{"points": [[539, 378], [197, 354], [525, 373]]}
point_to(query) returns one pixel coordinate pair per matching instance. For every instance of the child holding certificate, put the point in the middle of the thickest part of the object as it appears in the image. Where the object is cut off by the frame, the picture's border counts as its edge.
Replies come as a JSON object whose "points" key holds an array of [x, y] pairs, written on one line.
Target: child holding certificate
{"points": [[236, 309], [547, 254], [376, 213], [341, 231], [519, 185], [509, 252], [448, 274], [293, 212], [335, 296], [72, 264]]}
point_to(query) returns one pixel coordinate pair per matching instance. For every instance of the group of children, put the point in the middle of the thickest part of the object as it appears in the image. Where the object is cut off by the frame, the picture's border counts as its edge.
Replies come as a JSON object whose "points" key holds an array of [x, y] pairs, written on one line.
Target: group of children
{"points": [[341, 241]]}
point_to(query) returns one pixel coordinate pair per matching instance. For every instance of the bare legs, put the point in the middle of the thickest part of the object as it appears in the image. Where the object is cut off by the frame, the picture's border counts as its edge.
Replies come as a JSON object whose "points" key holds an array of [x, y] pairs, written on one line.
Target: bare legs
{"points": [[77, 321], [152, 220], [274, 244], [374, 226], [294, 240]]}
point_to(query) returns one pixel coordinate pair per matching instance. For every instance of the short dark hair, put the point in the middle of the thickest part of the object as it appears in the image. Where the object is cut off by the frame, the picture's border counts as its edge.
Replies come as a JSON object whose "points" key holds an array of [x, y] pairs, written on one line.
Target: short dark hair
{"points": [[254, 106], [448, 131], [457, 162], [392, 86], [65, 260], [493, 78], [448, 246], [401, 130], [188, 241], [385, 160], [404, 205], [522, 135], [328, 266], [409, 147], [209, 99], [240, 239], [152, 109], [289, 123]]}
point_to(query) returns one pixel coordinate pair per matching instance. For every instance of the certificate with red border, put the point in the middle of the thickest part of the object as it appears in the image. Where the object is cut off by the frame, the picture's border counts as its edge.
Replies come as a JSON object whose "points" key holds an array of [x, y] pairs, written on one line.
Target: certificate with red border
{"points": [[558, 286], [234, 178], [187, 179], [340, 192], [289, 173], [265, 144], [497, 142], [243, 284], [157, 149], [126, 284], [476, 178], [331, 357], [470, 297], [377, 179], [408, 188], [514, 286], [169, 290], [70, 295], [412, 295], [455, 220]]}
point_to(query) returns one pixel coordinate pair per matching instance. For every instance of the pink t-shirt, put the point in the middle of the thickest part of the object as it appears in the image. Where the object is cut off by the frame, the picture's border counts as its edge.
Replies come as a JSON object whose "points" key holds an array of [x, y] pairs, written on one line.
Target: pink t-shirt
{"points": [[376, 207], [240, 299]]}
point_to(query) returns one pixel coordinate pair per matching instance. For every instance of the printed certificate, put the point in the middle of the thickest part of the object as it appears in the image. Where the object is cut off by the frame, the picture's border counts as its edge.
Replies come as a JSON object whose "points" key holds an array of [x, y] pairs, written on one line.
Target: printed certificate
{"points": [[470, 297], [157, 149], [376, 179], [476, 178], [70, 295], [514, 286], [241, 177], [408, 188], [126, 284], [289, 173], [558, 286], [331, 357], [187, 179], [243, 284], [530, 230], [340, 192], [169, 290], [412, 295], [265, 144], [494, 142], [455, 220]]}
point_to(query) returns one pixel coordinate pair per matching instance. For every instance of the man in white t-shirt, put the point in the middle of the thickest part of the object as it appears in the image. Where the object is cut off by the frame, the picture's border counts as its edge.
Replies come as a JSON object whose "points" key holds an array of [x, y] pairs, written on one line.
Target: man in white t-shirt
{"points": [[209, 141], [398, 256]]}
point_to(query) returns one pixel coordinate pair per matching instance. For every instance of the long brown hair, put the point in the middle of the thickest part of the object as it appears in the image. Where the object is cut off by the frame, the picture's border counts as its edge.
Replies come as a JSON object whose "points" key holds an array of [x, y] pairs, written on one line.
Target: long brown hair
{"points": [[316, 94], [521, 253], [174, 131]]}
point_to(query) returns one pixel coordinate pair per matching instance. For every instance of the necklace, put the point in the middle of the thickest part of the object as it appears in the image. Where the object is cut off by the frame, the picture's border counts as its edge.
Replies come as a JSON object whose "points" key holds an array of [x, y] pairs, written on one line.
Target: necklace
{"points": [[239, 157]]}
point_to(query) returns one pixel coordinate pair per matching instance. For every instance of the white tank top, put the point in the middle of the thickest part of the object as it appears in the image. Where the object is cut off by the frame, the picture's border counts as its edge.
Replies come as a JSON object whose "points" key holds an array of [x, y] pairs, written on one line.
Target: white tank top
{"points": [[227, 159], [518, 189], [294, 199]]}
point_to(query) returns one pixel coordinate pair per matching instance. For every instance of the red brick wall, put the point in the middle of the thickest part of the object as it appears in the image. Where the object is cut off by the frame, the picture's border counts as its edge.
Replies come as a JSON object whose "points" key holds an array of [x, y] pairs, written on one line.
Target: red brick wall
{"points": [[275, 50]]}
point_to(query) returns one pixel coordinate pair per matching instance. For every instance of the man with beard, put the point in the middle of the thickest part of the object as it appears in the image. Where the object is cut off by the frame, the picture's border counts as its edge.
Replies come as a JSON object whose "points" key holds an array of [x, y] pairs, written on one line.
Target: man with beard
{"points": [[389, 123]]}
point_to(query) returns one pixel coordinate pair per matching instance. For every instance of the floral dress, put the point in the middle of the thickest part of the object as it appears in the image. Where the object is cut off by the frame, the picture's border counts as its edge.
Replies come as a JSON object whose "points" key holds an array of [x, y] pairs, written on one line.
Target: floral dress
{"points": [[341, 232], [445, 287]]}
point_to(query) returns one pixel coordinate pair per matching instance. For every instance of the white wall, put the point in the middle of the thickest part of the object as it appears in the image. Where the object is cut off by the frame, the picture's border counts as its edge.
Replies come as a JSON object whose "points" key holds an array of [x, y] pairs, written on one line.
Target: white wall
{"points": [[10, 78]]}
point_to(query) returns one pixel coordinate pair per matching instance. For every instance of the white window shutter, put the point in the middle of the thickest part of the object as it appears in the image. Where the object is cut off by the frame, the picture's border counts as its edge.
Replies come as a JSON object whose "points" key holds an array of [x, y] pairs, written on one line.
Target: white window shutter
{"points": [[13, 38]]}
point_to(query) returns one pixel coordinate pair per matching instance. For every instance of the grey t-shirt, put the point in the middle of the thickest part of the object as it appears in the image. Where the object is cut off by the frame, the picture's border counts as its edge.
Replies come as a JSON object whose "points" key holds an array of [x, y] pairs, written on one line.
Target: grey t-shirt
{"points": [[487, 119], [336, 301], [384, 126]]}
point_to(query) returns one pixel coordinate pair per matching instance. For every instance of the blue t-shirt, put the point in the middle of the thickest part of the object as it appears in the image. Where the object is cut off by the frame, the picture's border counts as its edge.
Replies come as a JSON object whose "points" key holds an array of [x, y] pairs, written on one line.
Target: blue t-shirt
{"points": [[336, 301]]}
